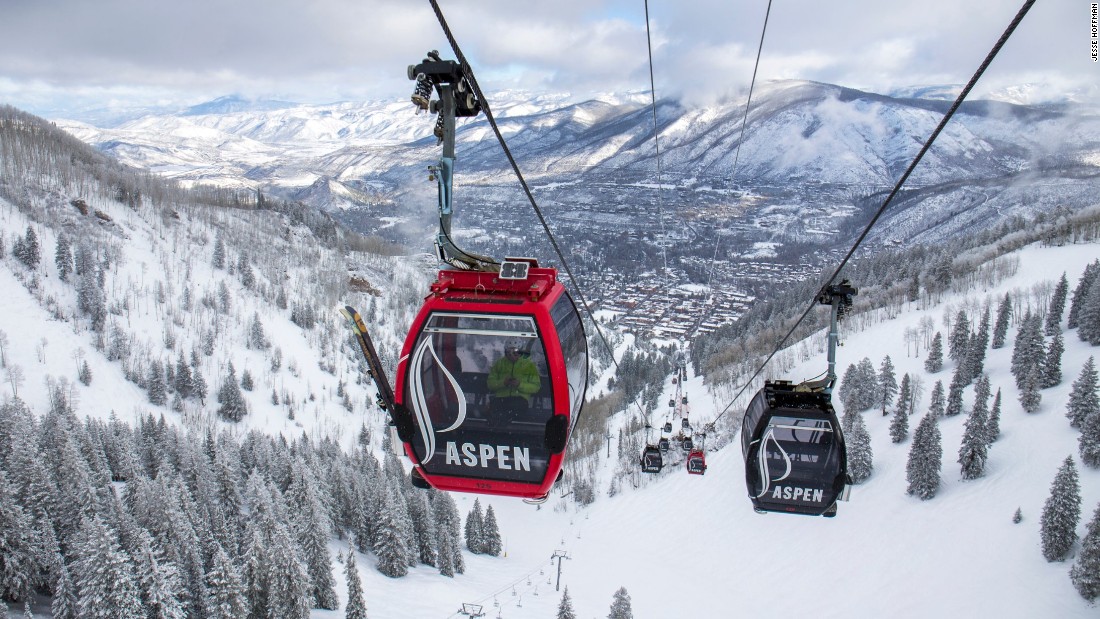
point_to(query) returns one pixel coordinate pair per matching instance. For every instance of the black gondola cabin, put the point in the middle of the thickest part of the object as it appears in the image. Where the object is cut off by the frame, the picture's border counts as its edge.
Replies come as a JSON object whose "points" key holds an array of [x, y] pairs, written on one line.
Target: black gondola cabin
{"points": [[795, 458]]}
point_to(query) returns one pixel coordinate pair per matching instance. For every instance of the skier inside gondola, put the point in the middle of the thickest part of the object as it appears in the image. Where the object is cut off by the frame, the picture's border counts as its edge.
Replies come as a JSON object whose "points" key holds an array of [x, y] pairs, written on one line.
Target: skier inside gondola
{"points": [[512, 381]]}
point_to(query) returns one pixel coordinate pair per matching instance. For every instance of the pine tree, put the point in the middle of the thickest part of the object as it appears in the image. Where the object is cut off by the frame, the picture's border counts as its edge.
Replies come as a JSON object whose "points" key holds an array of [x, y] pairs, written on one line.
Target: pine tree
{"points": [[1088, 326], [959, 340], [158, 581], [17, 564], [1062, 511], [219, 252], [994, 429], [233, 407], [1089, 441], [1000, 327], [226, 589], [64, 603], [1057, 307], [448, 523], [975, 443], [424, 527], [1018, 516], [104, 575], [1030, 398], [925, 459], [937, 402], [975, 354], [848, 388], [246, 380], [491, 543], [565, 607], [27, 250], [357, 606], [887, 383], [244, 270], [869, 396], [85, 375], [1084, 399], [1081, 292], [158, 390], [475, 536], [954, 403], [860, 456], [1028, 351], [620, 606], [392, 546], [934, 362], [311, 527], [899, 426], [1052, 363], [63, 257], [257, 339], [1085, 573], [185, 383]]}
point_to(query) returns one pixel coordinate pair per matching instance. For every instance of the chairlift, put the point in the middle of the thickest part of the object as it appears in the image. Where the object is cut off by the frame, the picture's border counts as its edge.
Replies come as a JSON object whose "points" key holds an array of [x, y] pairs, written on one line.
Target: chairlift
{"points": [[663, 444], [685, 424], [687, 443], [668, 427]]}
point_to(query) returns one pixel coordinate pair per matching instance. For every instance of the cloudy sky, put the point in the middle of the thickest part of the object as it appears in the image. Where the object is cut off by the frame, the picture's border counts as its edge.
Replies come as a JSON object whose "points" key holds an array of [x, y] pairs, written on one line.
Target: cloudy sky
{"points": [[58, 55]]}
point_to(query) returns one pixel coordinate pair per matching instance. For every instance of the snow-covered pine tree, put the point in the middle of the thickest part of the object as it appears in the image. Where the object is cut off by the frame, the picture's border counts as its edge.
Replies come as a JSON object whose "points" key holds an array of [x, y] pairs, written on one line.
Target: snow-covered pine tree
{"points": [[85, 375], [899, 425], [975, 353], [975, 441], [1018, 516], [158, 390], [1052, 363], [233, 407], [490, 534], [246, 380], [244, 271], [954, 404], [63, 257], [905, 394], [848, 388], [1062, 511], [959, 340], [1030, 398], [994, 429], [1088, 321], [26, 249], [1028, 349], [224, 585], [1089, 441], [17, 564], [185, 383], [860, 456], [448, 523], [157, 579], [1084, 398], [1000, 327], [392, 545], [1085, 573], [934, 361], [218, 260], [887, 383], [424, 527], [620, 606], [1057, 307], [104, 575], [475, 537], [311, 527], [937, 402], [64, 604], [925, 459], [565, 607], [357, 606], [868, 392], [1081, 292]]}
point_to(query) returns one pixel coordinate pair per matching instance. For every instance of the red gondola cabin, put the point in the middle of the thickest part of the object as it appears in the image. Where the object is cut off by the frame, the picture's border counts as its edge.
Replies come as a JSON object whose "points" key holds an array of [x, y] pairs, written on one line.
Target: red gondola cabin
{"points": [[493, 373]]}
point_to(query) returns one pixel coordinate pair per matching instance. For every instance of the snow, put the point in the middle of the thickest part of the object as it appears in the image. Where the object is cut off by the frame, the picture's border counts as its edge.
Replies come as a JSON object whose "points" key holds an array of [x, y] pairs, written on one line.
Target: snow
{"points": [[692, 545], [686, 545]]}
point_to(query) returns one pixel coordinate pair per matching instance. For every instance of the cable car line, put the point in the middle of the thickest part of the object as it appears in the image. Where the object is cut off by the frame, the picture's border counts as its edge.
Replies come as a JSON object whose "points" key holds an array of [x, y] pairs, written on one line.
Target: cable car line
{"points": [[741, 135], [897, 187], [656, 130]]}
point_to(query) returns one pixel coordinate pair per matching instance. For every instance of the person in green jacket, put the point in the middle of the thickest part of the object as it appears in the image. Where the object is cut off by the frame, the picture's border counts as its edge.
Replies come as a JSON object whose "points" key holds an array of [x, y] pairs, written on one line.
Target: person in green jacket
{"points": [[512, 381]]}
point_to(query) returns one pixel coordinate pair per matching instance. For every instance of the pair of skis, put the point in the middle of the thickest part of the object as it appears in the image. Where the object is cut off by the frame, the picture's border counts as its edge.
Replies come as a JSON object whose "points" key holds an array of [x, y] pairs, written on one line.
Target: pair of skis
{"points": [[386, 400]]}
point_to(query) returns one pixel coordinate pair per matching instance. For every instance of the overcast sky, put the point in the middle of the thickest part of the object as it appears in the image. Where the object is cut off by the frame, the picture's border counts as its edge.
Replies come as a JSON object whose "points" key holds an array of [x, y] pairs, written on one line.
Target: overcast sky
{"points": [[57, 54]]}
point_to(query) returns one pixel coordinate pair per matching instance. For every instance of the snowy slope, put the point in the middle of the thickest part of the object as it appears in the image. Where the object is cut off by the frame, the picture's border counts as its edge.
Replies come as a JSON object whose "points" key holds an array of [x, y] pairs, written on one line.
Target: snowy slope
{"points": [[692, 546]]}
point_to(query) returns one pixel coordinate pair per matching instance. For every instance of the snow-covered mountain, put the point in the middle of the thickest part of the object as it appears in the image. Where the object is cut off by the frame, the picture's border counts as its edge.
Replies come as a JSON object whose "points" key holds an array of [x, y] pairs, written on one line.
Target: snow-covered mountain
{"points": [[814, 162]]}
